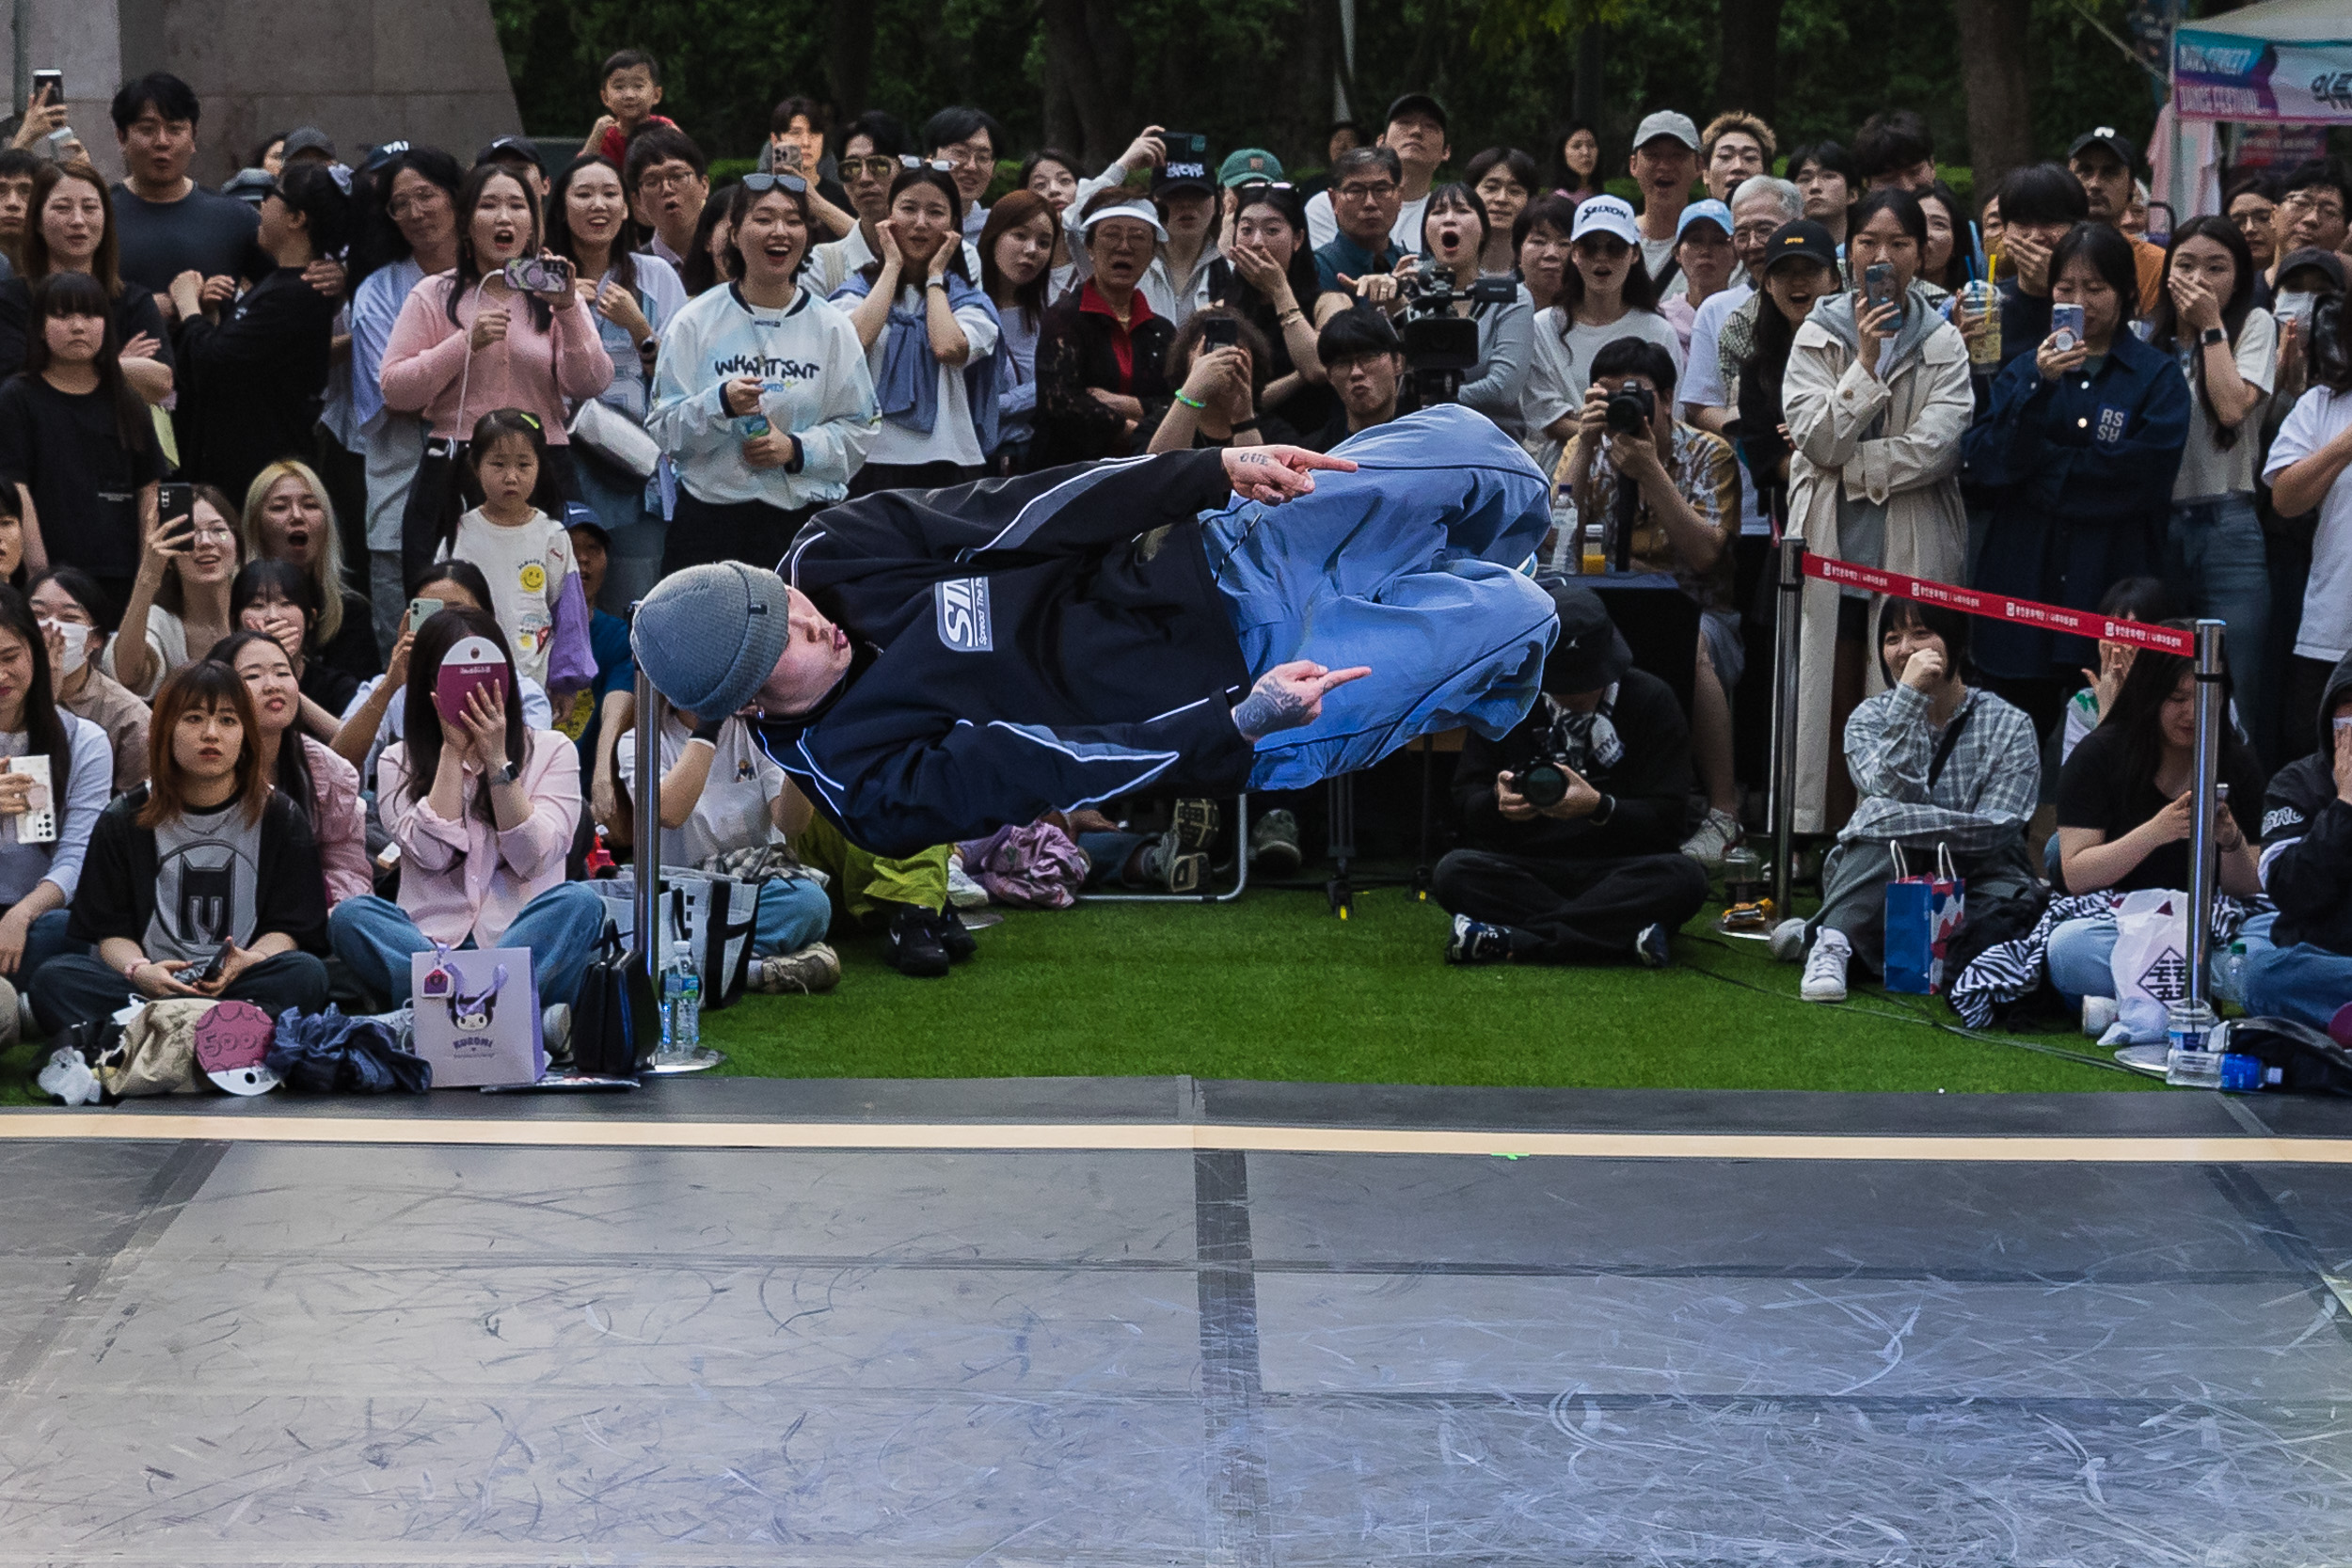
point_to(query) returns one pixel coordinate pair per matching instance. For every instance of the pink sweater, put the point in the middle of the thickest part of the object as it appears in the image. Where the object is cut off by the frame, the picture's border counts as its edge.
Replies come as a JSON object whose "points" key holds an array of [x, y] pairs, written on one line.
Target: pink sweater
{"points": [[339, 824], [426, 361], [466, 878]]}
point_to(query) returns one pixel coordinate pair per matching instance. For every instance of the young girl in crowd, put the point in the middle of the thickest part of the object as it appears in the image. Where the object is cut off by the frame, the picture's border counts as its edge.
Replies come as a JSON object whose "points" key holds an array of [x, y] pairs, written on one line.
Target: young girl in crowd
{"points": [[929, 335], [71, 229], [204, 862], [76, 441], [525, 553], [483, 811], [73, 613], [288, 518], [1016, 244], [278, 599], [323, 787], [38, 879], [467, 343], [180, 595]]}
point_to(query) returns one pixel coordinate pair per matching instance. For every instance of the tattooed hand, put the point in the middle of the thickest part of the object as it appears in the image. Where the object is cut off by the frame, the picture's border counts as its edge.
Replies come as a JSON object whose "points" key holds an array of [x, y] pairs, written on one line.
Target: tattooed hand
{"points": [[1289, 695], [1274, 474]]}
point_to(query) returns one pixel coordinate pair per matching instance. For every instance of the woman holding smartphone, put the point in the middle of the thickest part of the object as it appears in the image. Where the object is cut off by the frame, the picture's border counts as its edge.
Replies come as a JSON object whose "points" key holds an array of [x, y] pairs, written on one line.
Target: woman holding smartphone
{"points": [[203, 883], [467, 342], [38, 877], [181, 595]]}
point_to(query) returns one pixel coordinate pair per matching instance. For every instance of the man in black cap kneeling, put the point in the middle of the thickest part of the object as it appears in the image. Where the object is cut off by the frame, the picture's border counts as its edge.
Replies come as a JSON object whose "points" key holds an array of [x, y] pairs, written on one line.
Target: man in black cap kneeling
{"points": [[1575, 820]]}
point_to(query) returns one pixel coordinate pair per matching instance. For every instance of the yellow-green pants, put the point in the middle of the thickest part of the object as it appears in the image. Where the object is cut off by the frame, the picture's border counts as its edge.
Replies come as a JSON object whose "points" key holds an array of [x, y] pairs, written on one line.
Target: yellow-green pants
{"points": [[862, 882]]}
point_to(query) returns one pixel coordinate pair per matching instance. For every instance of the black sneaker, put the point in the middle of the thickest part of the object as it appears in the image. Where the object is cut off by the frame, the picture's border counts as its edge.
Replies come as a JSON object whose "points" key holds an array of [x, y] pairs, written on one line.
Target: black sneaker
{"points": [[912, 947], [1191, 824], [953, 935], [1474, 942], [1274, 843], [1650, 946]]}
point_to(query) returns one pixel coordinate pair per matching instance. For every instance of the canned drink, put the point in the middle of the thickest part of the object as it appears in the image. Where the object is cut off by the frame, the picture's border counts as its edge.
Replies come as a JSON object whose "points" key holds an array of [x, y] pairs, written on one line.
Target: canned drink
{"points": [[1982, 301]]}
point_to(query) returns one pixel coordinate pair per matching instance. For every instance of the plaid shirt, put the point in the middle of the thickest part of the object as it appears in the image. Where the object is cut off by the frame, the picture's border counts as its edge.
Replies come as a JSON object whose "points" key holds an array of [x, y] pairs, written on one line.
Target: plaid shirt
{"points": [[1979, 801], [1705, 473]]}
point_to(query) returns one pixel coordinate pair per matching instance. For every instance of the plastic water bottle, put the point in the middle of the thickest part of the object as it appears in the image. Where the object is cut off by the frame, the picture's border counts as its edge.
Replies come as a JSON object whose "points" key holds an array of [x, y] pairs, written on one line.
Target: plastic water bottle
{"points": [[2230, 986], [2190, 1061], [681, 1000]]}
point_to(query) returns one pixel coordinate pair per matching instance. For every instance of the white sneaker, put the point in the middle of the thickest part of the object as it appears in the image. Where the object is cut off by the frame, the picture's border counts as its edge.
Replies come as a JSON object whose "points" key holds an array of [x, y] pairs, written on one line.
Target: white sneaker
{"points": [[2099, 1014], [555, 1029], [1825, 969], [1787, 943], [1718, 834]]}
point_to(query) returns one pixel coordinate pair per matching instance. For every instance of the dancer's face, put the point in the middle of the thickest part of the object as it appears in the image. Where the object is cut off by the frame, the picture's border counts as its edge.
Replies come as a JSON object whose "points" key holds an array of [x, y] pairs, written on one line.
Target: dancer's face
{"points": [[812, 661]]}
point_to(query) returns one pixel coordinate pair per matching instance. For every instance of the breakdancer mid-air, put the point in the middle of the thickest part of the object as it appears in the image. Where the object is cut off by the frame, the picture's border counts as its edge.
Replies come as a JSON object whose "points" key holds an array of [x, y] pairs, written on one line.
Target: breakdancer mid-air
{"points": [[932, 665]]}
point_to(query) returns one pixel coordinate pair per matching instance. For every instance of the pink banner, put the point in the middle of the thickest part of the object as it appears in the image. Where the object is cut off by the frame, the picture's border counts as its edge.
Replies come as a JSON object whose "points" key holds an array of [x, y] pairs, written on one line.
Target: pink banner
{"points": [[1999, 606]]}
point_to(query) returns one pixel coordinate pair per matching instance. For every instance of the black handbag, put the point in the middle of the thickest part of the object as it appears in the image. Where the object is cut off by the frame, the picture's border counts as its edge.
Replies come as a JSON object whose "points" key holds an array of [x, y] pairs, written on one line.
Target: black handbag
{"points": [[616, 1024]]}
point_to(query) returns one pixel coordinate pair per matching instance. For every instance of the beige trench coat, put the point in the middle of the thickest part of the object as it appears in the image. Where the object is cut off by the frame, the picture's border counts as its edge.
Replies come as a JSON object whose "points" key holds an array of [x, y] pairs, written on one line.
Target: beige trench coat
{"points": [[1911, 469]]}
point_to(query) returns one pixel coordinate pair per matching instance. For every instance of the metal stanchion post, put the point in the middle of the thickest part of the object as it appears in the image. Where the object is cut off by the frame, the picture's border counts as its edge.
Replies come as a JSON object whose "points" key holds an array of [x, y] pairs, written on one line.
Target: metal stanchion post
{"points": [[653, 711], [1787, 647], [2201, 842]]}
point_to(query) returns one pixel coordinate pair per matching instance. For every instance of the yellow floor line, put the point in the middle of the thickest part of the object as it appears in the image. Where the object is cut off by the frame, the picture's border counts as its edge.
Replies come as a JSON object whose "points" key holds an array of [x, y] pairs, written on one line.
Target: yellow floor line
{"points": [[23, 1126]]}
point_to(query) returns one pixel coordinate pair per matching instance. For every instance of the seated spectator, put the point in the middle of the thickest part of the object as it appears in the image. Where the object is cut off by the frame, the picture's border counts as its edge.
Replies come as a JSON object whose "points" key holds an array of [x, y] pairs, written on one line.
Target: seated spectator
{"points": [[1365, 200], [630, 90], [515, 536], [71, 229], [483, 811], [277, 599], [871, 147], [323, 786], [720, 793], [377, 716], [2040, 205], [180, 595], [1269, 279], [77, 442], [2142, 599], [930, 336], [289, 517], [1825, 172], [2079, 450], [1938, 765], [1704, 256], [1605, 294], [1100, 388], [1539, 237], [1218, 389], [253, 366], [203, 862], [757, 458], [596, 716], [1364, 360], [1506, 181], [1017, 252], [37, 880], [668, 182], [1594, 876], [2305, 971], [1875, 400], [73, 613], [1684, 521], [1454, 237], [2306, 472], [2124, 804], [1174, 860]]}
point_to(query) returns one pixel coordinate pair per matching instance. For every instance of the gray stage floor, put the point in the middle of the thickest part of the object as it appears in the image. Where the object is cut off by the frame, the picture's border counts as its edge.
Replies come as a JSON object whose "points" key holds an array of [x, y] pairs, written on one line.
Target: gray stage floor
{"points": [[226, 1352]]}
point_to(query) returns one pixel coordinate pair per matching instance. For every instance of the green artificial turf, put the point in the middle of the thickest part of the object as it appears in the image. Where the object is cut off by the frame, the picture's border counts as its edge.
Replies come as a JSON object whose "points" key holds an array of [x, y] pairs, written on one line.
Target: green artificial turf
{"points": [[1274, 987]]}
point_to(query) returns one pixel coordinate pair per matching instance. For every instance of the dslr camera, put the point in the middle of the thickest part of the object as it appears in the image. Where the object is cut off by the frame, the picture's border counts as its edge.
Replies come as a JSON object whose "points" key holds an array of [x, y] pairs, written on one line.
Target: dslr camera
{"points": [[1439, 345], [1631, 409], [1542, 783]]}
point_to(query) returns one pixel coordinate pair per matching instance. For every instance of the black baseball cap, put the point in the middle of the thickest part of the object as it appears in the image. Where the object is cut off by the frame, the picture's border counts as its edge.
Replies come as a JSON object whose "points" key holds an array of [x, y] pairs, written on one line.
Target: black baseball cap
{"points": [[1183, 174], [1418, 104], [1800, 237], [507, 147], [2329, 264], [2110, 138], [1591, 654]]}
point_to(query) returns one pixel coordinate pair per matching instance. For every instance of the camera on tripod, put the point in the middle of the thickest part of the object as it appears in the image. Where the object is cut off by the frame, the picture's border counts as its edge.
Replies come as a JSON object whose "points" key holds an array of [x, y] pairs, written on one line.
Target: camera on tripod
{"points": [[1439, 345]]}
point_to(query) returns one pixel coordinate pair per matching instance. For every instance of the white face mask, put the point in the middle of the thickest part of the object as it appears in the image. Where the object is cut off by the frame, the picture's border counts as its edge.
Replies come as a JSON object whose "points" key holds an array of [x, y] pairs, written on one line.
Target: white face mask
{"points": [[76, 639], [2296, 305]]}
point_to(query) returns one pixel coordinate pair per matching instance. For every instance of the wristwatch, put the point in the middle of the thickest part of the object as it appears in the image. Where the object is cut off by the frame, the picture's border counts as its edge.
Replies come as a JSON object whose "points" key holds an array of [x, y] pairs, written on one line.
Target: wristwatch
{"points": [[506, 774], [1603, 812], [2211, 336]]}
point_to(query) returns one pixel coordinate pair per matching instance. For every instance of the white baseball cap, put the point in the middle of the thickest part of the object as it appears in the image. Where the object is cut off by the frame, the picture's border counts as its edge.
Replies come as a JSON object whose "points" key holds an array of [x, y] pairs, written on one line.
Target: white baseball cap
{"points": [[1606, 214]]}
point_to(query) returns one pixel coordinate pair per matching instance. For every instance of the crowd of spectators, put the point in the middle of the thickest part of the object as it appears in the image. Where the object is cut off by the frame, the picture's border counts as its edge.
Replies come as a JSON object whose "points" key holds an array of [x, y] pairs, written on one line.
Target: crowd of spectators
{"points": [[272, 452]]}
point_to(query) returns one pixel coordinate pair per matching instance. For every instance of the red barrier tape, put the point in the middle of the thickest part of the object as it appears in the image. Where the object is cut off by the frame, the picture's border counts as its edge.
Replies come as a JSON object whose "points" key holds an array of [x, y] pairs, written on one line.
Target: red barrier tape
{"points": [[1999, 606]]}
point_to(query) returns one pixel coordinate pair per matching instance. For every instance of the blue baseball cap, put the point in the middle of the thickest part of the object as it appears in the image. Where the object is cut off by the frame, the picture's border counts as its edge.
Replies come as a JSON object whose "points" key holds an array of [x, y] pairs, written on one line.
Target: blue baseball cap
{"points": [[1708, 211]]}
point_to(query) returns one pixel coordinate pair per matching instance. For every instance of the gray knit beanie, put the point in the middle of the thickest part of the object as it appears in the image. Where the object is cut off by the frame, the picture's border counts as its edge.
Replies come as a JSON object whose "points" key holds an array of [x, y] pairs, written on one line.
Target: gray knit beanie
{"points": [[709, 636]]}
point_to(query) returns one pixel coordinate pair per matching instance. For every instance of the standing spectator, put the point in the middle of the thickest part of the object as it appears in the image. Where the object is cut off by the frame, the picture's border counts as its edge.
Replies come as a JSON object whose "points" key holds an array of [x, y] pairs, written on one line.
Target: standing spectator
{"points": [[2252, 205], [2312, 216], [634, 296], [288, 518], [758, 454], [2227, 348], [188, 566], [37, 880], [483, 811], [966, 140], [670, 180], [410, 237], [204, 857], [1363, 198], [323, 786], [466, 343], [519, 156], [2103, 160], [1735, 146], [168, 223], [1343, 136], [1271, 283], [1415, 138], [705, 265], [1101, 386], [1016, 253], [1053, 175], [1801, 268], [2040, 205], [1723, 328], [871, 146], [1178, 282], [1895, 149], [1825, 172], [72, 229], [930, 345], [1575, 163], [17, 170], [1454, 237], [1705, 257], [73, 614], [1605, 294], [1505, 180], [2306, 474], [630, 90], [796, 145], [278, 598], [255, 364], [1540, 237], [1946, 265], [1875, 400], [2079, 448], [597, 714], [1665, 161], [2304, 970], [524, 552], [75, 439]]}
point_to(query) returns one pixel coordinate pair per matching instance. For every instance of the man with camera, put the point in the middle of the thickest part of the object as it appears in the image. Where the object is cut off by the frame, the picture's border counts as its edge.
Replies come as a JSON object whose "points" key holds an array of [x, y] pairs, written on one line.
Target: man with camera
{"points": [[1665, 496], [1571, 820]]}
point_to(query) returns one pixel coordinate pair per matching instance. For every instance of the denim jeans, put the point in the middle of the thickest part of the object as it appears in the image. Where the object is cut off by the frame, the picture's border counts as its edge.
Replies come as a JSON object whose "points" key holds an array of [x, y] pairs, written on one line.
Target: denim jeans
{"points": [[559, 928], [2215, 564], [793, 912], [2306, 983], [46, 941], [2081, 961]]}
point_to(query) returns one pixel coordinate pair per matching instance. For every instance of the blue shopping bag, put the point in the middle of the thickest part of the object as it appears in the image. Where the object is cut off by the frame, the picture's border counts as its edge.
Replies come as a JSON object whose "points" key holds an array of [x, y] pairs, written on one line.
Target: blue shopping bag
{"points": [[1922, 913]]}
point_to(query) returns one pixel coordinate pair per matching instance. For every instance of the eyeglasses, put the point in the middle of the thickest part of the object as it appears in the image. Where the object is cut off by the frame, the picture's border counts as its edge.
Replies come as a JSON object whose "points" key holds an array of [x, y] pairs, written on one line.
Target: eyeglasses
{"points": [[416, 203], [217, 535], [878, 166], [964, 157], [908, 160], [1361, 192], [2304, 202], [678, 178], [759, 185]]}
